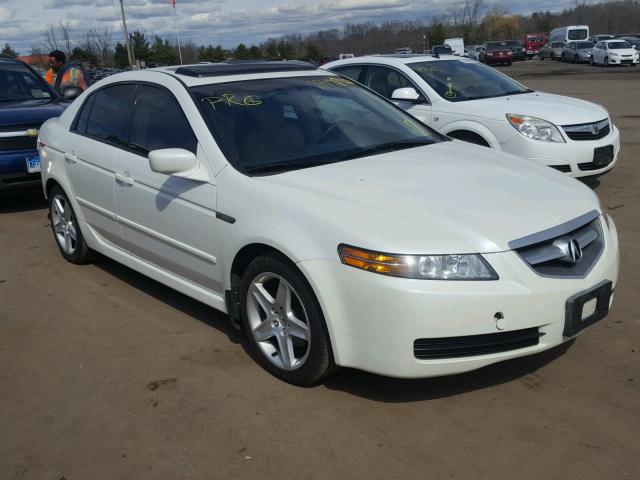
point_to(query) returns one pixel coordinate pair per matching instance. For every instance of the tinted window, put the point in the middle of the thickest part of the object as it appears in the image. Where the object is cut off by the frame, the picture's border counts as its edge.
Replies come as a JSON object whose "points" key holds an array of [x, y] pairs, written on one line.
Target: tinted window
{"points": [[583, 45], [619, 45], [385, 80], [577, 34], [351, 71], [159, 122], [110, 112], [80, 124]]}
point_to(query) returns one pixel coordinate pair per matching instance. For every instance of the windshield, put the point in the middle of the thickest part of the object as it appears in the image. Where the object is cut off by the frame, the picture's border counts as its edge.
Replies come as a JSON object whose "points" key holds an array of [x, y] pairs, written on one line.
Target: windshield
{"points": [[497, 46], [535, 38], [577, 34], [619, 45], [17, 83], [280, 124], [458, 81], [583, 45]]}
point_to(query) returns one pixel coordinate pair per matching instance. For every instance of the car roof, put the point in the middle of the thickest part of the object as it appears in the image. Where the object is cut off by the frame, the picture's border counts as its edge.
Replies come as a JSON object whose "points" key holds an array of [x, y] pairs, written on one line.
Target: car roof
{"points": [[397, 59]]}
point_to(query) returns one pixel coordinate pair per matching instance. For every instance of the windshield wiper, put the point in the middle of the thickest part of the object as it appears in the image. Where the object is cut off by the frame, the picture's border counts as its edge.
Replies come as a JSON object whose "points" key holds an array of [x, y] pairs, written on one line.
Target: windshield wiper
{"points": [[387, 147], [286, 166]]}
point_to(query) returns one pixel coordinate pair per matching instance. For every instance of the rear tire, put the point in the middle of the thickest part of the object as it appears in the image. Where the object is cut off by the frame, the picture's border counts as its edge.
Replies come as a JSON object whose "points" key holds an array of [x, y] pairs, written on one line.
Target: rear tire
{"points": [[283, 321], [575, 59], [66, 229], [592, 61]]}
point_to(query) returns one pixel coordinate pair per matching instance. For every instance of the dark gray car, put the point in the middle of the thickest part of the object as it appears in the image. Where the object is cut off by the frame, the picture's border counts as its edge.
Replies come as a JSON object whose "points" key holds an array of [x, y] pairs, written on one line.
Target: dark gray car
{"points": [[577, 52]]}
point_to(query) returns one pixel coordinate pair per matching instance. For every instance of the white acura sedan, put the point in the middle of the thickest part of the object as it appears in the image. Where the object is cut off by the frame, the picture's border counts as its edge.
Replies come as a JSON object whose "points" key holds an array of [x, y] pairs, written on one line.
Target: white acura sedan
{"points": [[473, 102], [332, 227]]}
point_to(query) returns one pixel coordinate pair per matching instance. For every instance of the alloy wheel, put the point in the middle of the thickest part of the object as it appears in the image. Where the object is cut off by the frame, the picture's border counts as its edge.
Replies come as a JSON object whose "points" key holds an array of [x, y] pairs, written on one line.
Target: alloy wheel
{"points": [[64, 226], [278, 321]]}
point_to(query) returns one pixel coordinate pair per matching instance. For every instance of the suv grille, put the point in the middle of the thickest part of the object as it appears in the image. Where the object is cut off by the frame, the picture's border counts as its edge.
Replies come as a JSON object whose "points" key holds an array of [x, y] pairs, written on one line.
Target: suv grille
{"points": [[568, 250], [474, 345], [588, 131], [18, 143]]}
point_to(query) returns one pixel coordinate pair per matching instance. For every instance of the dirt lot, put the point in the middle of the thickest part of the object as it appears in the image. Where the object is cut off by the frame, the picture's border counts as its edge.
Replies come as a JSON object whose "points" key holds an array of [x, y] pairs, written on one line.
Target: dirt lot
{"points": [[105, 374]]}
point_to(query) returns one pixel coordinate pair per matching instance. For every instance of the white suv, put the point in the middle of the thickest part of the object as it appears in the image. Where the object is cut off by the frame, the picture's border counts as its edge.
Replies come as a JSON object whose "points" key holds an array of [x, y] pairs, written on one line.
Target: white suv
{"points": [[470, 101], [329, 224]]}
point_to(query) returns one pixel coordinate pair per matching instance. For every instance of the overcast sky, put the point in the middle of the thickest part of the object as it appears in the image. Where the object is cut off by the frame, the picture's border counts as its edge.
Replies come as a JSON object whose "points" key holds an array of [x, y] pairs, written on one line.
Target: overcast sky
{"points": [[225, 22]]}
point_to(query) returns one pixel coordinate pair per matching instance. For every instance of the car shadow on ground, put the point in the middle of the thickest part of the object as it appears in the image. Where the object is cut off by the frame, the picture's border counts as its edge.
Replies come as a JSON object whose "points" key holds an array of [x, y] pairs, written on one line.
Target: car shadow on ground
{"points": [[351, 381], [193, 308], [396, 390], [22, 201]]}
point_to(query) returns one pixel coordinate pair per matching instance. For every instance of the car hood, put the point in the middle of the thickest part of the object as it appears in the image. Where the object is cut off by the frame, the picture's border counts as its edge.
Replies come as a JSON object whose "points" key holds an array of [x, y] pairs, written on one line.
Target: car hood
{"points": [[556, 109], [33, 112], [626, 51], [450, 197]]}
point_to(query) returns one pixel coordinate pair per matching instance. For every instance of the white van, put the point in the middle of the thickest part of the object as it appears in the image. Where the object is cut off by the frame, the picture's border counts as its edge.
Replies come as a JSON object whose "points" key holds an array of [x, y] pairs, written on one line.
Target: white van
{"points": [[456, 44], [573, 33]]}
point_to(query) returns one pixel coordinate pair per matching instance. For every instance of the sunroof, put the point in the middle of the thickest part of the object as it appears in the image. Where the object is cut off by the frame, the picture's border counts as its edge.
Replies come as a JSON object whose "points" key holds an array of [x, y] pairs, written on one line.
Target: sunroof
{"points": [[240, 68]]}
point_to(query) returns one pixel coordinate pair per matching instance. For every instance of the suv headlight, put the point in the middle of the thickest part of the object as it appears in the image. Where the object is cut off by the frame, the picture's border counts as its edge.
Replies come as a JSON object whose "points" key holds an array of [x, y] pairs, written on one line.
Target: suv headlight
{"points": [[535, 128], [427, 267]]}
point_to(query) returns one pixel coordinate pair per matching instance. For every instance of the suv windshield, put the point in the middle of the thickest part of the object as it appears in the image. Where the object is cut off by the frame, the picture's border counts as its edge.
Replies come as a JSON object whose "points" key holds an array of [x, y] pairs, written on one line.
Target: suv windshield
{"points": [[577, 34], [280, 124], [497, 46], [18, 83], [619, 45], [459, 81]]}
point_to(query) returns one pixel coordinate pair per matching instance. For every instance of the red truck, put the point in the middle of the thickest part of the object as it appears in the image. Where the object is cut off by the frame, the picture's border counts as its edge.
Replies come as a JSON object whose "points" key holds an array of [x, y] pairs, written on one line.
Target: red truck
{"points": [[533, 42]]}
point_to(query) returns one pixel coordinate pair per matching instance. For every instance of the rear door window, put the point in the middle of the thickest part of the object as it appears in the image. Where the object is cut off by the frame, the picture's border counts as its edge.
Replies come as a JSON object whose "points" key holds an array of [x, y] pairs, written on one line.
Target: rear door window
{"points": [[385, 80], [354, 72], [109, 114]]}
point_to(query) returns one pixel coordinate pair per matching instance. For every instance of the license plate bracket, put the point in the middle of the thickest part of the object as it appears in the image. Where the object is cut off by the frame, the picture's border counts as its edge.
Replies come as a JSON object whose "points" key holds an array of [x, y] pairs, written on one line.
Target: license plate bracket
{"points": [[574, 322], [33, 164], [603, 156]]}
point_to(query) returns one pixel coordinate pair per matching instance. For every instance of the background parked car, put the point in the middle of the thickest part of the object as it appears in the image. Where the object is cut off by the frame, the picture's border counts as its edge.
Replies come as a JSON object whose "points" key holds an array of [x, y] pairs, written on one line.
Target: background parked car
{"points": [[498, 53], [473, 52], [442, 50], [552, 51], [26, 101], [614, 52], [577, 52], [517, 49], [533, 42], [599, 38]]}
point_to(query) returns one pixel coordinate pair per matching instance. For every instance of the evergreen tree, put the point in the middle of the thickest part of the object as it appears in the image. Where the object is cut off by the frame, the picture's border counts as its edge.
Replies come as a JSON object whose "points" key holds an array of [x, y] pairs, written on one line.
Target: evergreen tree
{"points": [[120, 57], [9, 51]]}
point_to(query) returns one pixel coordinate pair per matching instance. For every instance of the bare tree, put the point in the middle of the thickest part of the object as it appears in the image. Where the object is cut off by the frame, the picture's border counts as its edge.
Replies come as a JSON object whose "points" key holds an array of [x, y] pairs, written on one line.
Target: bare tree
{"points": [[465, 16], [50, 38], [65, 31]]}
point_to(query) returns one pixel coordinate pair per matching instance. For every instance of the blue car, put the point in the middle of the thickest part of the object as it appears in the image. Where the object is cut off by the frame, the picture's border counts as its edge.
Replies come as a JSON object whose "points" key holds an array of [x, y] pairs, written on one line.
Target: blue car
{"points": [[26, 101]]}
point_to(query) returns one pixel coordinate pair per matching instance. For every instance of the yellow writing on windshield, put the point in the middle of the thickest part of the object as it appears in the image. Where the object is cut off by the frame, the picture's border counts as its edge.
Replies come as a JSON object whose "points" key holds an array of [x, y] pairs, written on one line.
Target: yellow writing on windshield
{"points": [[231, 100], [332, 82]]}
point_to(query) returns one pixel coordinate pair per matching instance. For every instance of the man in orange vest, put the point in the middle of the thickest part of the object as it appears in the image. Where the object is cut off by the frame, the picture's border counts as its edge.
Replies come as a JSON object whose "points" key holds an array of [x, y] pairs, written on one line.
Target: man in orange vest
{"points": [[72, 77]]}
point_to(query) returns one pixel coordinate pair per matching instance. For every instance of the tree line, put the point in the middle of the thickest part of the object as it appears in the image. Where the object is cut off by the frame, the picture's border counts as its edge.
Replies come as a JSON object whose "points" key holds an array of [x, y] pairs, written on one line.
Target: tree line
{"points": [[474, 20]]}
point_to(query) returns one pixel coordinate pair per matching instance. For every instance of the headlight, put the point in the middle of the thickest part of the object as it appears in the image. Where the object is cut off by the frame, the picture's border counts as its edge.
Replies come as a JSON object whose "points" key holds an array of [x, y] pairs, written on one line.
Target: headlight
{"points": [[535, 128], [427, 267]]}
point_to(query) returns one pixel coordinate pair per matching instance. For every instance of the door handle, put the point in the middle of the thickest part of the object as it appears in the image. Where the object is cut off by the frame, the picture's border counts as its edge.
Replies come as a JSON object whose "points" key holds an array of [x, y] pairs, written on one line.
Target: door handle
{"points": [[70, 158], [124, 179]]}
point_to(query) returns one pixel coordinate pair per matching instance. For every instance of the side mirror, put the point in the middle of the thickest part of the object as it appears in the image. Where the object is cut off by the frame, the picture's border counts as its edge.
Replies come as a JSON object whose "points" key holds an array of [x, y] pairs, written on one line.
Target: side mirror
{"points": [[69, 93], [177, 162], [407, 94]]}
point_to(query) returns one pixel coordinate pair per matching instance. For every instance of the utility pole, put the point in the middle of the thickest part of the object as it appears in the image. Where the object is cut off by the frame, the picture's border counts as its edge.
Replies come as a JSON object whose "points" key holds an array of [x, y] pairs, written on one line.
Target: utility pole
{"points": [[126, 36]]}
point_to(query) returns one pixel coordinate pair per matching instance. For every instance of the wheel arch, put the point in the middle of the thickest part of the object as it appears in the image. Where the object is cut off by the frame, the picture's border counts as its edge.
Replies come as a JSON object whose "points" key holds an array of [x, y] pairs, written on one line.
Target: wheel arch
{"points": [[473, 128]]}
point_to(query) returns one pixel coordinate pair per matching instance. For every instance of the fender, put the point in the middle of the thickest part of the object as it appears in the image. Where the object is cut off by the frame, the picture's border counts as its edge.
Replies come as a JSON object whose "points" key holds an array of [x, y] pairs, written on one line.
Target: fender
{"points": [[474, 127]]}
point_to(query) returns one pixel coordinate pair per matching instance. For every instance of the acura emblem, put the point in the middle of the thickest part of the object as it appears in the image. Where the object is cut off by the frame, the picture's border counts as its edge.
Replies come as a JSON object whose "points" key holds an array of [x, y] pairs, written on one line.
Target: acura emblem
{"points": [[574, 252]]}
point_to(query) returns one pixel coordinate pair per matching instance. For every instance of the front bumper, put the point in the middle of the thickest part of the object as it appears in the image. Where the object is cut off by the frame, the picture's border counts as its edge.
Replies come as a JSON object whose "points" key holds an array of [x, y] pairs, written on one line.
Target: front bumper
{"points": [[373, 320], [572, 157], [13, 169], [623, 61]]}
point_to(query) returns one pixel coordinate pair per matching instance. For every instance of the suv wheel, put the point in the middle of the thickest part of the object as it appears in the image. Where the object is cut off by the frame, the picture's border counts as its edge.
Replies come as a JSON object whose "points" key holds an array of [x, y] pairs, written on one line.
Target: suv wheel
{"points": [[283, 321], [66, 229]]}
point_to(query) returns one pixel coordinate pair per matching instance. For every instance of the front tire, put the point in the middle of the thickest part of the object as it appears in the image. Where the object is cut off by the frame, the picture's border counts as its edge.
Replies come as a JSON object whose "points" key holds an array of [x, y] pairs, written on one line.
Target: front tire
{"points": [[575, 59], [592, 61], [283, 321], [606, 61], [66, 229]]}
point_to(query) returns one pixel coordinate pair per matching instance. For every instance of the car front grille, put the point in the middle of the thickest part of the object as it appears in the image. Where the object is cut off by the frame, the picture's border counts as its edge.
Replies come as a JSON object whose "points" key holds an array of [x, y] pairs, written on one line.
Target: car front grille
{"points": [[562, 168], [569, 250], [588, 131], [475, 345], [18, 143]]}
